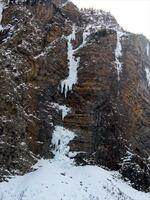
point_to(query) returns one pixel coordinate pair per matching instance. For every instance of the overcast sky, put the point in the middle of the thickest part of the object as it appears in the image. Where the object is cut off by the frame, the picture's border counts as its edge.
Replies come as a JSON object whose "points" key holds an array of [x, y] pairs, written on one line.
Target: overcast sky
{"points": [[132, 15]]}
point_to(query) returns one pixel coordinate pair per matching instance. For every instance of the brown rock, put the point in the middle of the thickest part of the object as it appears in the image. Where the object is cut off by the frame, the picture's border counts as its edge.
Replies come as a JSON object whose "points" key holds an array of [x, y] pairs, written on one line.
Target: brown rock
{"points": [[109, 117]]}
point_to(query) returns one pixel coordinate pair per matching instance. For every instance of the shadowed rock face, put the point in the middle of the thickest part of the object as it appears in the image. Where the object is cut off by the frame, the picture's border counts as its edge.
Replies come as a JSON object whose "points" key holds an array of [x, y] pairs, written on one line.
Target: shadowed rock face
{"points": [[109, 108]]}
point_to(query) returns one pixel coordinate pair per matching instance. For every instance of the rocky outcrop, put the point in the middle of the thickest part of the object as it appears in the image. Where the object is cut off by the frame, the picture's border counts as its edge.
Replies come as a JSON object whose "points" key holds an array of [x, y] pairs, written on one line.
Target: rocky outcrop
{"points": [[109, 102]]}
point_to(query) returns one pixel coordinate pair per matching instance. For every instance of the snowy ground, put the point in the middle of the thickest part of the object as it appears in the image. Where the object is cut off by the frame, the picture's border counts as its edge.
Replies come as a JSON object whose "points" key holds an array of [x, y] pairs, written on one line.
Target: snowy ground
{"points": [[60, 179], [57, 181]]}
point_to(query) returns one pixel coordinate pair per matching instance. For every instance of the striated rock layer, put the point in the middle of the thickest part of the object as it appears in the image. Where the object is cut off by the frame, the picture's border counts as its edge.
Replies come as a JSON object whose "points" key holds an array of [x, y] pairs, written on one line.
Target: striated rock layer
{"points": [[109, 101]]}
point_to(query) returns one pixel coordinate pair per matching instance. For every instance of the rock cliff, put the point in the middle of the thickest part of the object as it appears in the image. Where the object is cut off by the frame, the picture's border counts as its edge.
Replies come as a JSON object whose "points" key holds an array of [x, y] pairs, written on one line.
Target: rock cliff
{"points": [[53, 54]]}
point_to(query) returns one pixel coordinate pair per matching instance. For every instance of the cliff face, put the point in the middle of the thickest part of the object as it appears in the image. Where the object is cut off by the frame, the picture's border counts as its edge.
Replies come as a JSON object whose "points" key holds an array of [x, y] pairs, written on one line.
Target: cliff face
{"points": [[53, 55]]}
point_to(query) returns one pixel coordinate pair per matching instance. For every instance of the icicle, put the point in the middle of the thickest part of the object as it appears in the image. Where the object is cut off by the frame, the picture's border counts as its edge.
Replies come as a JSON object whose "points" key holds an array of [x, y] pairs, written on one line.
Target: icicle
{"points": [[147, 70], [1, 11], [67, 84], [60, 139], [73, 64], [118, 54], [147, 49]]}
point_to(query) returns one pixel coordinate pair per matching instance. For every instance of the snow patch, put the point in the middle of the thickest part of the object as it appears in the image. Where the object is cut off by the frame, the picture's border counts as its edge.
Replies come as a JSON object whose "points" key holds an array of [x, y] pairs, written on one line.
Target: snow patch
{"points": [[100, 20], [147, 70], [86, 33], [64, 4], [65, 110]]}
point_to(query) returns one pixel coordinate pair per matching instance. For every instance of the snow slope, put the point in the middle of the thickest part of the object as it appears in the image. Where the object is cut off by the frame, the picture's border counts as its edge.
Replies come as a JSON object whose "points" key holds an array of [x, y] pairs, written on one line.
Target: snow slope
{"points": [[53, 180], [60, 179]]}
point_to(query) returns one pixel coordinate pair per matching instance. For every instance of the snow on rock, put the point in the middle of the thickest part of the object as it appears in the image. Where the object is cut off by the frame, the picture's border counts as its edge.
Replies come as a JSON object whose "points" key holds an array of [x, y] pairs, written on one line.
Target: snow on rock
{"points": [[1, 11], [63, 108], [86, 33], [97, 22], [100, 19], [147, 70], [118, 54], [64, 4]]}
